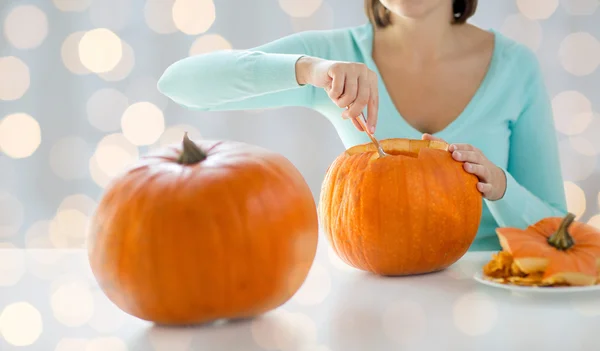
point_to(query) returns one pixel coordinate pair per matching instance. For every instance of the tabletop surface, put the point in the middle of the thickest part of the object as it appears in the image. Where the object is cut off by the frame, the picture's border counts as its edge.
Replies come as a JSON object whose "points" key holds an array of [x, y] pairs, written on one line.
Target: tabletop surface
{"points": [[49, 300]]}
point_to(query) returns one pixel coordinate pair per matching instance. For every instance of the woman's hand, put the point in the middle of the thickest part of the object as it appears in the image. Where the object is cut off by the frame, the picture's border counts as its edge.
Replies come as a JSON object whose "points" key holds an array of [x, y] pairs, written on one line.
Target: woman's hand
{"points": [[492, 180], [348, 84]]}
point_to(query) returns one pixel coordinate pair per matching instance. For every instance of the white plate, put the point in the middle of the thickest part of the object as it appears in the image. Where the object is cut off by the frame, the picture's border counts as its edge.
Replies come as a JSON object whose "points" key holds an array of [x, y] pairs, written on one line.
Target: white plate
{"points": [[535, 289]]}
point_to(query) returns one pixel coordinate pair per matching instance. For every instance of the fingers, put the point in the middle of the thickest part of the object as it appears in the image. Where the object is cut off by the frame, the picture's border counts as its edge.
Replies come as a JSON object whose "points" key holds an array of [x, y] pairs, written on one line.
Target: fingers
{"points": [[337, 86], [468, 156], [361, 100], [462, 147], [480, 171], [350, 91], [485, 189]]}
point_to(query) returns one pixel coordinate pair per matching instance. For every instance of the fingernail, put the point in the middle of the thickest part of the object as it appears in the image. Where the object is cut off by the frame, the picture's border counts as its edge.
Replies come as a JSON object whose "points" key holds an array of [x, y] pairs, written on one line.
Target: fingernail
{"points": [[372, 128], [457, 154]]}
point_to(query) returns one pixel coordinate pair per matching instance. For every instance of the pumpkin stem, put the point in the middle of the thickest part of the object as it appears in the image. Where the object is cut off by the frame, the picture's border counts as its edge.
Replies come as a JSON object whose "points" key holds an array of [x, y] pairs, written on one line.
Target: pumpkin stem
{"points": [[562, 240], [191, 152]]}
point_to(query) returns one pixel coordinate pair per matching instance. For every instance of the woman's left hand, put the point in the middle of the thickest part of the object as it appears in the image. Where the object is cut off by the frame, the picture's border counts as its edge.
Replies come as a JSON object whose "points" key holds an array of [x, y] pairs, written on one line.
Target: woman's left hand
{"points": [[492, 180]]}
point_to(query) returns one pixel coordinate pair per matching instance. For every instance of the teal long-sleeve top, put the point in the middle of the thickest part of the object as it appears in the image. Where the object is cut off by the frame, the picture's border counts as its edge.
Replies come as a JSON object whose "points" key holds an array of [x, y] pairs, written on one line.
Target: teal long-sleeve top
{"points": [[509, 118]]}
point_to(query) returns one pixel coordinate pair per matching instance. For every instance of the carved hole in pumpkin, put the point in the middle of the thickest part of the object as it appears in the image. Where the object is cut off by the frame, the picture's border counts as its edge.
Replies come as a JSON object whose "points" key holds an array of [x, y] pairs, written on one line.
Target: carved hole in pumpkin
{"points": [[402, 153], [399, 147]]}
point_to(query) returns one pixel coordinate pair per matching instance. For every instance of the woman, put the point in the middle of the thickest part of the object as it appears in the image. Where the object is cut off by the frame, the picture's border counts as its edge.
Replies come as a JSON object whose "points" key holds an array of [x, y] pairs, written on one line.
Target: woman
{"points": [[420, 71]]}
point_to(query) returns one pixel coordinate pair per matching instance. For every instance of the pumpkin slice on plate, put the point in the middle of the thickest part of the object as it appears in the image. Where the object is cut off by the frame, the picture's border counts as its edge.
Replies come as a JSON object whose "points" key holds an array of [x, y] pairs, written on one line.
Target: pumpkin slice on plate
{"points": [[561, 251]]}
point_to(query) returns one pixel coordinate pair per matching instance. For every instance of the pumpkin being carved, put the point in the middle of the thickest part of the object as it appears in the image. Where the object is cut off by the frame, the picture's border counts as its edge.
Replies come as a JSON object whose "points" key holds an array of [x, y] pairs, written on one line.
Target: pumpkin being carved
{"points": [[416, 211], [204, 231]]}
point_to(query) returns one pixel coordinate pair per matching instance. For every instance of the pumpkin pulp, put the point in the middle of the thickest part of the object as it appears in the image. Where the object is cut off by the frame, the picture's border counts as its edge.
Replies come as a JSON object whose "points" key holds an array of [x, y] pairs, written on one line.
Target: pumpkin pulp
{"points": [[191, 153]]}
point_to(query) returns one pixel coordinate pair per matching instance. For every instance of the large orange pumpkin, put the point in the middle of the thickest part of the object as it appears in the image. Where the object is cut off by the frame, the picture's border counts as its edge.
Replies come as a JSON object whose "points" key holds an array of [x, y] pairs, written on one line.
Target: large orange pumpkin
{"points": [[416, 211], [204, 231]]}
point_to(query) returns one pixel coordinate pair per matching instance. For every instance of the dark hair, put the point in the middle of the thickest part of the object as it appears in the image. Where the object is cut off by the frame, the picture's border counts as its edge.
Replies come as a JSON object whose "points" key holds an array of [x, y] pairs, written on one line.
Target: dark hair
{"points": [[380, 16]]}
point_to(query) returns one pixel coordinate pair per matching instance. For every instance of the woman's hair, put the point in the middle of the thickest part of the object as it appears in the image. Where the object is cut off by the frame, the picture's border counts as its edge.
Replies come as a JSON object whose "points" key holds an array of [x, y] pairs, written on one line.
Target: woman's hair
{"points": [[380, 16]]}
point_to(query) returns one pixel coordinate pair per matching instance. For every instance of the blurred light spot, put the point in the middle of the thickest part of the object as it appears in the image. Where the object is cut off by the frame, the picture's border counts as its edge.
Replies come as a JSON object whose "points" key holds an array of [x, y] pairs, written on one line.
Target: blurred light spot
{"points": [[475, 314], [587, 307], [575, 166], [100, 50], [174, 135], [15, 78], [581, 7], [579, 53], [582, 145], [336, 261], [68, 158], [304, 8], [113, 154], [71, 344], [72, 303], [123, 68], [111, 14], [322, 19], [72, 5], [97, 175], [6, 245], [165, 339], [575, 199], [193, 17], [20, 135], [595, 220], [20, 324], [591, 133], [26, 26], [143, 123], [69, 52], [404, 322], [12, 214], [12, 267], [106, 343], [37, 236], [105, 108], [69, 229], [315, 288], [107, 317], [523, 30], [80, 202], [572, 112], [208, 43], [282, 330], [537, 9], [144, 89], [158, 15]]}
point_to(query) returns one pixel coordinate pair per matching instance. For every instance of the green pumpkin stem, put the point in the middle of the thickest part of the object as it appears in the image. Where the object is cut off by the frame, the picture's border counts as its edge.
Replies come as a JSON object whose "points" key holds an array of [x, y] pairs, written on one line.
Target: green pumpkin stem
{"points": [[562, 240], [191, 154]]}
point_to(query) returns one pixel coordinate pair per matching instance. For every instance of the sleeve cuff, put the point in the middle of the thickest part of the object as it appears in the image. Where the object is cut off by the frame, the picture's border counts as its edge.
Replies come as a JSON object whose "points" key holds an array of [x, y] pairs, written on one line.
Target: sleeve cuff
{"points": [[511, 203]]}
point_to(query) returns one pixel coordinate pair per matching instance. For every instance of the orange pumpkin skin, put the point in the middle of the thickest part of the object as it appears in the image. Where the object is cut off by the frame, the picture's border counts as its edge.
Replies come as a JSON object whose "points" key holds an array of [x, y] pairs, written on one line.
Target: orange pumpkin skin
{"points": [[578, 265], [230, 237], [417, 211]]}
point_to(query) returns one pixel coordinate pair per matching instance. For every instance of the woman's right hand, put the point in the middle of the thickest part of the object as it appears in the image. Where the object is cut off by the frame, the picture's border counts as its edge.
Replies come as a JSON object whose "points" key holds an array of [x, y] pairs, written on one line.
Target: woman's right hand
{"points": [[347, 84]]}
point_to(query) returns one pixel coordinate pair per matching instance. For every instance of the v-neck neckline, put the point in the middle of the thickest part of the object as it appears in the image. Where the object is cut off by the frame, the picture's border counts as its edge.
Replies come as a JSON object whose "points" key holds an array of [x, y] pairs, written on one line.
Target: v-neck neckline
{"points": [[387, 105]]}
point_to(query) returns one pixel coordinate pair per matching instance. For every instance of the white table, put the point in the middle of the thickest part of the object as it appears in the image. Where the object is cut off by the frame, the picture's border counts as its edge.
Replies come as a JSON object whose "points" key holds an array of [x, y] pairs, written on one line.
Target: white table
{"points": [[50, 301]]}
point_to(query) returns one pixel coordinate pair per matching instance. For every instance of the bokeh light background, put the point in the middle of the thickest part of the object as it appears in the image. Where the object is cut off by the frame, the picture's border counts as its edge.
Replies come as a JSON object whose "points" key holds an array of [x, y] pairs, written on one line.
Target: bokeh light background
{"points": [[78, 98], [78, 102]]}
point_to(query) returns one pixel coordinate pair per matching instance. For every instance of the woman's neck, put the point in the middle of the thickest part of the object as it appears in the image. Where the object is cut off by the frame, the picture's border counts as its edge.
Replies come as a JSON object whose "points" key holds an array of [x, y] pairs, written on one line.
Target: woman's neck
{"points": [[418, 40]]}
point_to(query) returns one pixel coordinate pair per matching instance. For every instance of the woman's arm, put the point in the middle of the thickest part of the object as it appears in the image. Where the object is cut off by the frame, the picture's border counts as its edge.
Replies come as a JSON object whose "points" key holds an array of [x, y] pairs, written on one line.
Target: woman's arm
{"points": [[261, 77], [534, 184]]}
